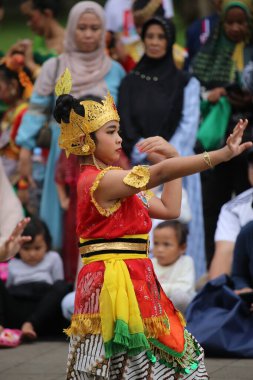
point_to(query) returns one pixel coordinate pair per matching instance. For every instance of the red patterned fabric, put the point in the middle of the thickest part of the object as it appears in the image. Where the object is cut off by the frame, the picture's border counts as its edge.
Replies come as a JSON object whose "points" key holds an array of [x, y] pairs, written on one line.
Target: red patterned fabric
{"points": [[150, 296], [130, 219]]}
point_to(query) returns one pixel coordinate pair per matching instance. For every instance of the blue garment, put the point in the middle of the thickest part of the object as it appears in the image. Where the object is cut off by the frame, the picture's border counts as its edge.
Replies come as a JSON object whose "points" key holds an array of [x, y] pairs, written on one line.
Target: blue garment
{"points": [[34, 119], [184, 140], [242, 269], [221, 321], [197, 34]]}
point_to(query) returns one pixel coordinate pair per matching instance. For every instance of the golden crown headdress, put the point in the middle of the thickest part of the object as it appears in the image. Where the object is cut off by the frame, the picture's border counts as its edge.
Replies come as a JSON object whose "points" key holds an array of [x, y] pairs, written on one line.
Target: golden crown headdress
{"points": [[75, 136]]}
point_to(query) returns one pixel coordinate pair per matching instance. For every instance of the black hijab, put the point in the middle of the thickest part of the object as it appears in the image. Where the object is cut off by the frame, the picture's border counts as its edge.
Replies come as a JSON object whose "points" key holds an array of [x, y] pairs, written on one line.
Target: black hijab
{"points": [[151, 96]]}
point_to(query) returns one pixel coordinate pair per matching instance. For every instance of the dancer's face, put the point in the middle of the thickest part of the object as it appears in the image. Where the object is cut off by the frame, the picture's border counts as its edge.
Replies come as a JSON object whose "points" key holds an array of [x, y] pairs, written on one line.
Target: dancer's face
{"points": [[236, 24], [155, 42], [88, 33], [167, 248], [108, 143]]}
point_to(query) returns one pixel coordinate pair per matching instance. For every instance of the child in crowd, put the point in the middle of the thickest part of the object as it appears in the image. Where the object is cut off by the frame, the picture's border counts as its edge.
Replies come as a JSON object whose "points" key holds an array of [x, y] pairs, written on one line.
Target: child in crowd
{"points": [[34, 290], [118, 52], [174, 270], [15, 89]]}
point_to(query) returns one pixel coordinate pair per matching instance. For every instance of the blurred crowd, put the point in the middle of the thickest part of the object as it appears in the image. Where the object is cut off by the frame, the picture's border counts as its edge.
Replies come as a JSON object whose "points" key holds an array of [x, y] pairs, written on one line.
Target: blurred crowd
{"points": [[191, 95]]}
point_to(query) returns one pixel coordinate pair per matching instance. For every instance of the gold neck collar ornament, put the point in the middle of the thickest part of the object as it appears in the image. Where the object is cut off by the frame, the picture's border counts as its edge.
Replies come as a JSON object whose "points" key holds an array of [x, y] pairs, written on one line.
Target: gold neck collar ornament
{"points": [[75, 136]]}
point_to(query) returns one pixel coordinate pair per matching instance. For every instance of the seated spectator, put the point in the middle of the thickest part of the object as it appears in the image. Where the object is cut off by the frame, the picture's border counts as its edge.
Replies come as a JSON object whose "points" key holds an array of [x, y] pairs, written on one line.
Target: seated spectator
{"points": [[233, 216], [31, 299], [242, 268], [174, 270]]}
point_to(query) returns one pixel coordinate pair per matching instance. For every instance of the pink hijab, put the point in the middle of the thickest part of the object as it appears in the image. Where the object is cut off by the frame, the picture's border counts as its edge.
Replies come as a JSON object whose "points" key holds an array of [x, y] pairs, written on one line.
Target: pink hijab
{"points": [[88, 70]]}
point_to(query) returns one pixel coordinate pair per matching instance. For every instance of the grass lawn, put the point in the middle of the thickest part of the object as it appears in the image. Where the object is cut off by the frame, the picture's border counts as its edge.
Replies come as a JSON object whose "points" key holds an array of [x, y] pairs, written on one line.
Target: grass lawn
{"points": [[16, 29], [12, 31]]}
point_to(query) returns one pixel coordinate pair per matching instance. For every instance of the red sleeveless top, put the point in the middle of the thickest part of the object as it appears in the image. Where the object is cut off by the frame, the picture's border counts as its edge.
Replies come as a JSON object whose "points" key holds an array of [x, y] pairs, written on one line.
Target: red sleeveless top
{"points": [[127, 217]]}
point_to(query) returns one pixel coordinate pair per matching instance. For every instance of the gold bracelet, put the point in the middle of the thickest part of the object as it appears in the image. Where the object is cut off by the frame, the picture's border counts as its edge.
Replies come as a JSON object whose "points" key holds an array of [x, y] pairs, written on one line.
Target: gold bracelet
{"points": [[207, 159]]}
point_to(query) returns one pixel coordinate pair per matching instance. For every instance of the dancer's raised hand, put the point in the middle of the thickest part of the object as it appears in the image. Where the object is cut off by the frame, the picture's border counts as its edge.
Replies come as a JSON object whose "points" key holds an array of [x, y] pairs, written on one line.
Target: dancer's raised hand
{"points": [[234, 145]]}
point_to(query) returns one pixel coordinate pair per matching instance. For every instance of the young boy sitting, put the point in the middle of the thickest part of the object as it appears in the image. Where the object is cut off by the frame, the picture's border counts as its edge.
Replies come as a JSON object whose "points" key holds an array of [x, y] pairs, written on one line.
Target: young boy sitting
{"points": [[174, 270]]}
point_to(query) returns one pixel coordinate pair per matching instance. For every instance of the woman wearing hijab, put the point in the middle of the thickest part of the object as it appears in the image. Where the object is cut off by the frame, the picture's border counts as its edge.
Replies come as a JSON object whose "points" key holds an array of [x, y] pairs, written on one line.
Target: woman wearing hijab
{"points": [[93, 73], [158, 99], [219, 66]]}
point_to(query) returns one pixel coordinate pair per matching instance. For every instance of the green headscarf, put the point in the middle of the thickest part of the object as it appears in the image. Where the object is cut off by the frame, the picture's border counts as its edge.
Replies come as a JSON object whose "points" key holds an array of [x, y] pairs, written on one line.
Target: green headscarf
{"points": [[213, 65], [246, 5]]}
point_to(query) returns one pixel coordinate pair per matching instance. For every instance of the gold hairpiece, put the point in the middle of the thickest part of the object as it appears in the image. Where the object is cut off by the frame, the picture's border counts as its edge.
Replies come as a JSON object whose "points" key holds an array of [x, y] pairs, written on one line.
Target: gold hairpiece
{"points": [[64, 83], [75, 136]]}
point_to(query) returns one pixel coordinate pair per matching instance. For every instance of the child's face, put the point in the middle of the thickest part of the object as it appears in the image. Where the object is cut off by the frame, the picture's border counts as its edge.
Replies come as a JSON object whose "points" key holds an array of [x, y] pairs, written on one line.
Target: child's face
{"points": [[166, 246], [108, 146], [236, 24], [34, 252]]}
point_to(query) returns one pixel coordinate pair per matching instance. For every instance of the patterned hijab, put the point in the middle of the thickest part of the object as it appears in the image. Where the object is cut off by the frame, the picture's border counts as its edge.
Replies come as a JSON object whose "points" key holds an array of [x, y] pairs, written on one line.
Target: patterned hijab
{"points": [[88, 70], [214, 65]]}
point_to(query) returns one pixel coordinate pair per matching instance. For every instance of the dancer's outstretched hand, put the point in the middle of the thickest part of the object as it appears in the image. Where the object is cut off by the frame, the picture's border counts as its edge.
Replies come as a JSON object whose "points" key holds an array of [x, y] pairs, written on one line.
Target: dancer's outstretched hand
{"points": [[234, 141]]}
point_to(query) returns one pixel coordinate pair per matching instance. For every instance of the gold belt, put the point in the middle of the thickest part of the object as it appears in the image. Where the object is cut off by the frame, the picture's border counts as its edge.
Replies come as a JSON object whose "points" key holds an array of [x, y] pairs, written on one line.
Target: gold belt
{"points": [[133, 244]]}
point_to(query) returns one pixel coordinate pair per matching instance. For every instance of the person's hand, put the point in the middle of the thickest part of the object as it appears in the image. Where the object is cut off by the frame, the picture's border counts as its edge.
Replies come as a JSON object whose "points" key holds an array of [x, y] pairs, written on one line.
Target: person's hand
{"points": [[240, 100], [24, 47], [234, 145], [243, 290], [215, 94], [15, 241], [157, 145], [25, 166], [155, 158], [65, 203]]}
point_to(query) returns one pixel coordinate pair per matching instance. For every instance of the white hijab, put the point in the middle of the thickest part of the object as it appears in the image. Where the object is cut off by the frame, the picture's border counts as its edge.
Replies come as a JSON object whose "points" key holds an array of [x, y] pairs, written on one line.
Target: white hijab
{"points": [[88, 70]]}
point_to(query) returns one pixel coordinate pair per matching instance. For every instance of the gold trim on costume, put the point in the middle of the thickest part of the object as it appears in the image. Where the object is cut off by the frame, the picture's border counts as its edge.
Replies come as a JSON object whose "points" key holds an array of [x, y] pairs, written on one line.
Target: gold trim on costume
{"points": [[110, 210], [113, 245], [138, 177]]}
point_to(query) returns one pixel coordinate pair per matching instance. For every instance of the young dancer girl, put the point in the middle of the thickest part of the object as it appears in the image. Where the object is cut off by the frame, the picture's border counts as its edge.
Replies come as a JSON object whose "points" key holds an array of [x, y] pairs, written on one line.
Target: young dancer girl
{"points": [[124, 326]]}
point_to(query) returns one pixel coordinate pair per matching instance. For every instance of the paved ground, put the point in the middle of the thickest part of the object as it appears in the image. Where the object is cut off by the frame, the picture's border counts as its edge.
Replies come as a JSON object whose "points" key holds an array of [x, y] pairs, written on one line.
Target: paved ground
{"points": [[46, 361]]}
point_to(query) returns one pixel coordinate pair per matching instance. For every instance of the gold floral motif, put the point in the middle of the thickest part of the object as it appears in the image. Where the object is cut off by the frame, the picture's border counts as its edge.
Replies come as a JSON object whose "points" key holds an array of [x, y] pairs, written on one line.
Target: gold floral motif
{"points": [[138, 177], [64, 83], [110, 210]]}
